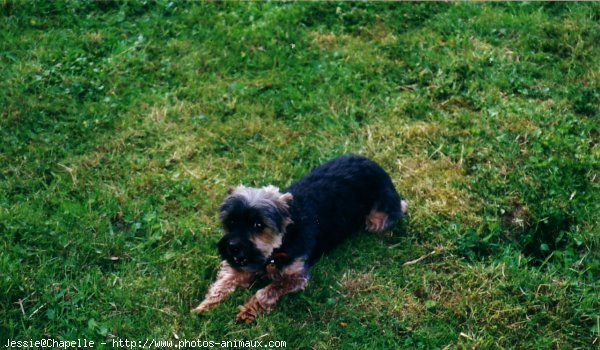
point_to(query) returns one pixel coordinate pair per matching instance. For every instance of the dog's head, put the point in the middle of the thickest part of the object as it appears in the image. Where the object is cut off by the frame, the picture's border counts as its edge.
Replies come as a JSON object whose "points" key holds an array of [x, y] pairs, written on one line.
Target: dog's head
{"points": [[254, 221]]}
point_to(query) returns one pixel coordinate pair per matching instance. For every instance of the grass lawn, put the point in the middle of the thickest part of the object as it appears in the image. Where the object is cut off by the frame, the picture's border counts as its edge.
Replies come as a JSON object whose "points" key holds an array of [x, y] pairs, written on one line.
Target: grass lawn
{"points": [[123, 124]]}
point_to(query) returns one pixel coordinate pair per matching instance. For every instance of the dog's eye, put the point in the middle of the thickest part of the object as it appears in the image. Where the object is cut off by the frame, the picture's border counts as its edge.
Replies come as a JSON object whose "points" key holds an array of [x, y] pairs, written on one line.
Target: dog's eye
{"points": [[258, 225]]}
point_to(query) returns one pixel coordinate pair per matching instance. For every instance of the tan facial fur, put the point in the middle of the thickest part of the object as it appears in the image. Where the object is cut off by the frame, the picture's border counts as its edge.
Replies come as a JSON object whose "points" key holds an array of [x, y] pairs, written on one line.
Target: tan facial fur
{"points": [[266, 241]]}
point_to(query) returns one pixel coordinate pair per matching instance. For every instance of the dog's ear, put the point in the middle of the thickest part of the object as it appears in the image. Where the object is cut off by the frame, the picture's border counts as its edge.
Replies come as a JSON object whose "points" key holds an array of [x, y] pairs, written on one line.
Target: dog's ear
{"points": [[286, 198], [237, 188], [284, 204]]}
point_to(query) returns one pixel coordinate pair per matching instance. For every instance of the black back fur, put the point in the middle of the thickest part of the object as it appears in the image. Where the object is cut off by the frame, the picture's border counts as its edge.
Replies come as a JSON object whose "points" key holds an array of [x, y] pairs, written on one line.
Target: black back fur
{"points": [[332, 202]]}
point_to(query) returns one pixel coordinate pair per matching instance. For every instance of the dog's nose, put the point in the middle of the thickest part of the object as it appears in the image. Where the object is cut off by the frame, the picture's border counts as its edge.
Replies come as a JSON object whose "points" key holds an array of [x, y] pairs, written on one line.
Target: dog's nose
{"points": [[236, 251], [234, 246]]}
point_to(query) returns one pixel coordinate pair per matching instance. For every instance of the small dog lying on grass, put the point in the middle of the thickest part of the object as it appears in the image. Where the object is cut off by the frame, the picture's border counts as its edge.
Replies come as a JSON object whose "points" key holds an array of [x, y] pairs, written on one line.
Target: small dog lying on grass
{"points": [[280, 235]]}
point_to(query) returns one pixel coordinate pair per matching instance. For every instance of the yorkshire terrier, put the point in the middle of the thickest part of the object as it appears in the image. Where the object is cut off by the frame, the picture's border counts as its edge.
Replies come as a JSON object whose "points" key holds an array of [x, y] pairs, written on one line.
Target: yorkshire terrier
{"points": [[280, 235]]}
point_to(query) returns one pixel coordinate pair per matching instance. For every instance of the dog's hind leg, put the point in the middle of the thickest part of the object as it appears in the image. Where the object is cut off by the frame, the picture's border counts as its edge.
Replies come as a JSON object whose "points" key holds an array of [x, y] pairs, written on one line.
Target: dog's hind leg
{"points": [[227, 280], [386, 212], [293, 277]]}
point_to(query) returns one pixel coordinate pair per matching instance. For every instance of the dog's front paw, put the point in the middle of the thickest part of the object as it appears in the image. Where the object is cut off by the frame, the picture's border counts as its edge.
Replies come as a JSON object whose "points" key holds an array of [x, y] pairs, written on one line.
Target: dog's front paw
{"points": [[249, 311], [203, 307], [246, 315]]}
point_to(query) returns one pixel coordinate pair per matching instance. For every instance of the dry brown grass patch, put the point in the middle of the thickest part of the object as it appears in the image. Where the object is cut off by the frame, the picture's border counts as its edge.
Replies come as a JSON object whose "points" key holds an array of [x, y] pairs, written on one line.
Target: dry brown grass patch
{"points": [[438, 186]]}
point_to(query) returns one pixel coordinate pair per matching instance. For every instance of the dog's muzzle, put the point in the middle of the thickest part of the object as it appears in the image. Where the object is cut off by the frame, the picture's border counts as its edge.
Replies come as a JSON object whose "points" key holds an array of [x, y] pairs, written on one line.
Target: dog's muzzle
{"points": [[236, 252]]}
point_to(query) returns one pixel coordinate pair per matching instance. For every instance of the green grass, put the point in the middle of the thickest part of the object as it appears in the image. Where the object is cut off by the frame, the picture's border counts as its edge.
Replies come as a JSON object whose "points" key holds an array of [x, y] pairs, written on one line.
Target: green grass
{"points": [[123, 124]]}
